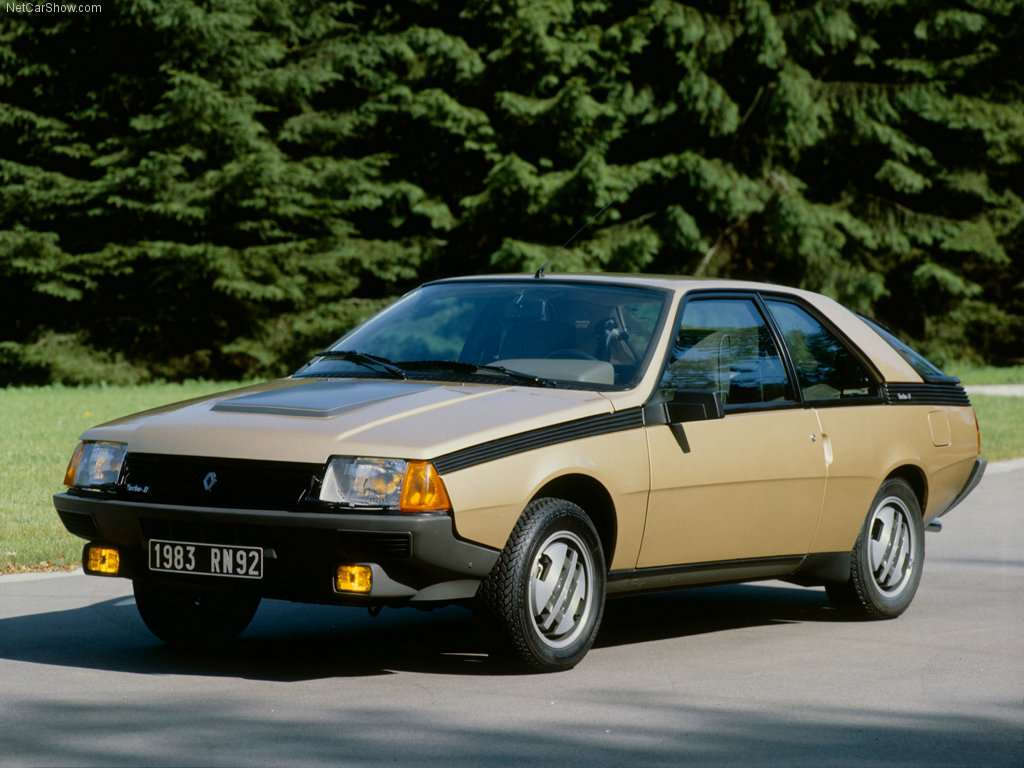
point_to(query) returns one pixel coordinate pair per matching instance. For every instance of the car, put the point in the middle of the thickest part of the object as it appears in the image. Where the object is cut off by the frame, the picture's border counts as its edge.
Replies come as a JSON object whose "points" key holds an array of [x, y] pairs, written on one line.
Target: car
{"points": [[529, 445]]}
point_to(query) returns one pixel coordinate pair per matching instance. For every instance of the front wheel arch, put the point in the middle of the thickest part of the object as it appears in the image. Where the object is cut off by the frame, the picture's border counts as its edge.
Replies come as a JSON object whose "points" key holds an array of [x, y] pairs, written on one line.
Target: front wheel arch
{"points": [[546, 593], [593, 499]]}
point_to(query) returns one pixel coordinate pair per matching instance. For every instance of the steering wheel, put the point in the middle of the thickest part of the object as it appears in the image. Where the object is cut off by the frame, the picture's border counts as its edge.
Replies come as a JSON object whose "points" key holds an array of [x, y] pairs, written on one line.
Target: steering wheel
{"points": [[570, 353]]}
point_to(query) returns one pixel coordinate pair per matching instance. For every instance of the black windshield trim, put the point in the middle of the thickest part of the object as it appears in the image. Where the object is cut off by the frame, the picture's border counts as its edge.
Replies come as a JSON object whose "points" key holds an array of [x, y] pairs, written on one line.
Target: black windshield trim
{"points": [[449, 377], [365, 359], [469, 369]]}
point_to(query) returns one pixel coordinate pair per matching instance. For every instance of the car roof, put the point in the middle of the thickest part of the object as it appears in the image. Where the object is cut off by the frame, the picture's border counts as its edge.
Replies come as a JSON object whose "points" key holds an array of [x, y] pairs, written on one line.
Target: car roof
{"points": [[674, 283]]}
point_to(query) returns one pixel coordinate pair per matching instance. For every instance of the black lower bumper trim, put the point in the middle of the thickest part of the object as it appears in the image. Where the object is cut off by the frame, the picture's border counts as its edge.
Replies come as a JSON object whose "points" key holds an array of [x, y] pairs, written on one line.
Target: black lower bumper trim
{"points": [[977, 472], [301, 550]]}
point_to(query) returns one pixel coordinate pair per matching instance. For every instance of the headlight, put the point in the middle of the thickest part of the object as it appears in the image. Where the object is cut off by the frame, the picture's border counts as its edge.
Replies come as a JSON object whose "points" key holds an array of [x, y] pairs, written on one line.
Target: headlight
{"points": [[95, 465], [409, 486]]}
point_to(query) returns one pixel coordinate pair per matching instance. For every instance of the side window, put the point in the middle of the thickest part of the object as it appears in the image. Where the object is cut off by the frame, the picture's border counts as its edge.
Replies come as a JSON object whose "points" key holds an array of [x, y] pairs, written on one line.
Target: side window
{"points": [[825, 367], [724, 346]]}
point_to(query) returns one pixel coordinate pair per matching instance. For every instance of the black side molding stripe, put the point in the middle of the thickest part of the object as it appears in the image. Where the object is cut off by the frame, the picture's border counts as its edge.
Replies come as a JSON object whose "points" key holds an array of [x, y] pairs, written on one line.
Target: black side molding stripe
{"points": [[714, 565], [924, 394], [590, 426]]}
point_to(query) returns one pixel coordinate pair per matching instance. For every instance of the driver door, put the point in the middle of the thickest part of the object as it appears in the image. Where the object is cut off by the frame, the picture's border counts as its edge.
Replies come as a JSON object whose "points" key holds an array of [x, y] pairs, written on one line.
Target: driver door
{"points": [[745, 486]]}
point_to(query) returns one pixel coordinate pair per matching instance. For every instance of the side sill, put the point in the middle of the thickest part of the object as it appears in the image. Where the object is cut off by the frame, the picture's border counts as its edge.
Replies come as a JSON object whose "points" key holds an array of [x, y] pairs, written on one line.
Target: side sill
{"points": [[701, 574], [821, 568]]}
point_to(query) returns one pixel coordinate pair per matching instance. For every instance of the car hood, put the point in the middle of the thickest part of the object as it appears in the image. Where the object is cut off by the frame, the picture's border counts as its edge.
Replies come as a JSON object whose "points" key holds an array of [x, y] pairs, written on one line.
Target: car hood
{"points": [[311, 420]]}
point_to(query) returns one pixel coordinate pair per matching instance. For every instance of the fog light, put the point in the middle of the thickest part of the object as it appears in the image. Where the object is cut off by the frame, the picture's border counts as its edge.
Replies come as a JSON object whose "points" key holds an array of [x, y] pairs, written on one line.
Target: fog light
{"points": [[353, 578], [105, 561]]}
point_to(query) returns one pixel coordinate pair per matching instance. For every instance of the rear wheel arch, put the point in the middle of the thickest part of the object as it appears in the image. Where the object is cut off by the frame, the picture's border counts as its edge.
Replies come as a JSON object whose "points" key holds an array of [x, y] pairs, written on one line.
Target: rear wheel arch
{"points": [[917, 481], [595, 501], [888, 558]]}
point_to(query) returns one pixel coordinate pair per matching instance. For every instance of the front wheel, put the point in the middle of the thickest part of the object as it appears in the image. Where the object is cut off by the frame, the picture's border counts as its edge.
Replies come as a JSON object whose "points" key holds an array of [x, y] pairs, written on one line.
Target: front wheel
{"points": [[888, 558], [547, 590], [193, 618]]}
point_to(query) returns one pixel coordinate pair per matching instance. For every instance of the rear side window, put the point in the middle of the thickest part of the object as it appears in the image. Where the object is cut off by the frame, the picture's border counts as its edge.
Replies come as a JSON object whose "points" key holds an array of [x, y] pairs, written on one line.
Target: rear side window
{"points": [[921, 365], [826, 368]]}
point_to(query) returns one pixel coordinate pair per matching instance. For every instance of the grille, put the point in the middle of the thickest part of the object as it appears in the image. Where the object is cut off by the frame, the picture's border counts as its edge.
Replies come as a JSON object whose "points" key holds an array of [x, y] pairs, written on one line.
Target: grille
{"points": [[372, 545], [215, 482], [80, 524]]}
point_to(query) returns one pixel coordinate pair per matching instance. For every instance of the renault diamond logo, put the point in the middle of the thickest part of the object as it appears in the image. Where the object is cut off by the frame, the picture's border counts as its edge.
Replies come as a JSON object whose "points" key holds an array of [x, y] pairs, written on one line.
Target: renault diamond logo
{"points": [[209, 481]]}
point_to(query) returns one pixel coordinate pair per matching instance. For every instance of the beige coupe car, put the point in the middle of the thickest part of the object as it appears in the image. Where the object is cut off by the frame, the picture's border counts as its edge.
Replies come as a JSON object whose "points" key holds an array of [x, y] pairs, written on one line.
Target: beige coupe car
{"points": [[530, 445]]}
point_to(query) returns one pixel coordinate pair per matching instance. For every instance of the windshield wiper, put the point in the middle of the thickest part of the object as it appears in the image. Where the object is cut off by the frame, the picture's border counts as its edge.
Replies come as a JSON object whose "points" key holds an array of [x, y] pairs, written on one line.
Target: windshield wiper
{"points": [[365, 359], [398, 370], [471, 368]]}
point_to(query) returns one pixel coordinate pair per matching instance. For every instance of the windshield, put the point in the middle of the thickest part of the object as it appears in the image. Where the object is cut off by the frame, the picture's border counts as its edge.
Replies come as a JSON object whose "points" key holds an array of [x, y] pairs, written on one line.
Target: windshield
{"points": [[589, 335]]}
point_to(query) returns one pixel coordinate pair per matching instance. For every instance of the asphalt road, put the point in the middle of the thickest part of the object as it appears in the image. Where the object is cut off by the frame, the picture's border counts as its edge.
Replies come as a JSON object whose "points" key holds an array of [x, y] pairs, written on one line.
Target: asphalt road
{"points": [[761, 674]]}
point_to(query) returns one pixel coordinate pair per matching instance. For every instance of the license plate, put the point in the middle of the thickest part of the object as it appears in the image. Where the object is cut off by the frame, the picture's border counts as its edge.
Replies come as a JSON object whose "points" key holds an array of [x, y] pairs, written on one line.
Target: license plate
{"points": [[206, 559]]}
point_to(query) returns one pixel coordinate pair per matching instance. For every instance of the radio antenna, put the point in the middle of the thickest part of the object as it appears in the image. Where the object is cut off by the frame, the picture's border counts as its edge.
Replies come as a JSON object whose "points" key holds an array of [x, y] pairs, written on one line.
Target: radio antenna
{"points": [[540, 272]]}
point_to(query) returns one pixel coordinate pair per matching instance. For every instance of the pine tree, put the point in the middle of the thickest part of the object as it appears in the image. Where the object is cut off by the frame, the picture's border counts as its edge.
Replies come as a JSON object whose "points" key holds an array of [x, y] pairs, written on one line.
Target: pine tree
{"points": [[217, 188]]}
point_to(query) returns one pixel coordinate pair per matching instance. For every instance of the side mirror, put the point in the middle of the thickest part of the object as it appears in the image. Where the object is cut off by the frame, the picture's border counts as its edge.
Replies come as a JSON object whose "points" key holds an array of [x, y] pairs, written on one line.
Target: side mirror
{"points": [[688, 405], [694, 405]]}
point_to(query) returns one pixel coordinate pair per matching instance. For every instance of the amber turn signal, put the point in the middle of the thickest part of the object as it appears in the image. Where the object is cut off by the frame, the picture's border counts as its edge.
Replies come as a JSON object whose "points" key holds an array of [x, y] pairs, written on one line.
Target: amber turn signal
{"points": [[69, 475], [353, 578], [423, 489], [102, 561]]}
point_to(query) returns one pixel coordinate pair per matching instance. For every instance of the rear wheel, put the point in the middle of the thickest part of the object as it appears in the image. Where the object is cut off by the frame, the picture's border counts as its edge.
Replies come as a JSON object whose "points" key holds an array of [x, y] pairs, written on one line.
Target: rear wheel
{"points": [[888, 558], [193, 618], [547, 590]]}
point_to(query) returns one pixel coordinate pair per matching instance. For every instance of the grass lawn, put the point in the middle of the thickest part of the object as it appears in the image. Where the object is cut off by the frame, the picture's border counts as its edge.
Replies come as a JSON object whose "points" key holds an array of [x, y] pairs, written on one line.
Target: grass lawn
{"points": [[987, 374], [41, 426], [1002, 426]]}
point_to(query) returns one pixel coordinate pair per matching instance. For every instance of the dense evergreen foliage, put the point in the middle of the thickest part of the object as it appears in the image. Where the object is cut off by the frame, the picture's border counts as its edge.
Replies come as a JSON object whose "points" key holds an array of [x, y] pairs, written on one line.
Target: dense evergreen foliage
{"points": [[219, 188]]}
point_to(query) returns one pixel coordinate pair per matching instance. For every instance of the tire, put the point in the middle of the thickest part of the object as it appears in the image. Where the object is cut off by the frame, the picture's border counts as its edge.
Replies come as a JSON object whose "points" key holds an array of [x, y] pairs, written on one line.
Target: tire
{"points": [[193, 618], [888, 558], [546, 592]]}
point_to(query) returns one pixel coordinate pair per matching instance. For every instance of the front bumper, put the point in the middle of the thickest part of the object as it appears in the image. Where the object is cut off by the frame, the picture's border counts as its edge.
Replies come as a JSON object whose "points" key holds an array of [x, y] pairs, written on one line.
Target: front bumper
{"points": [[414, 558]]}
